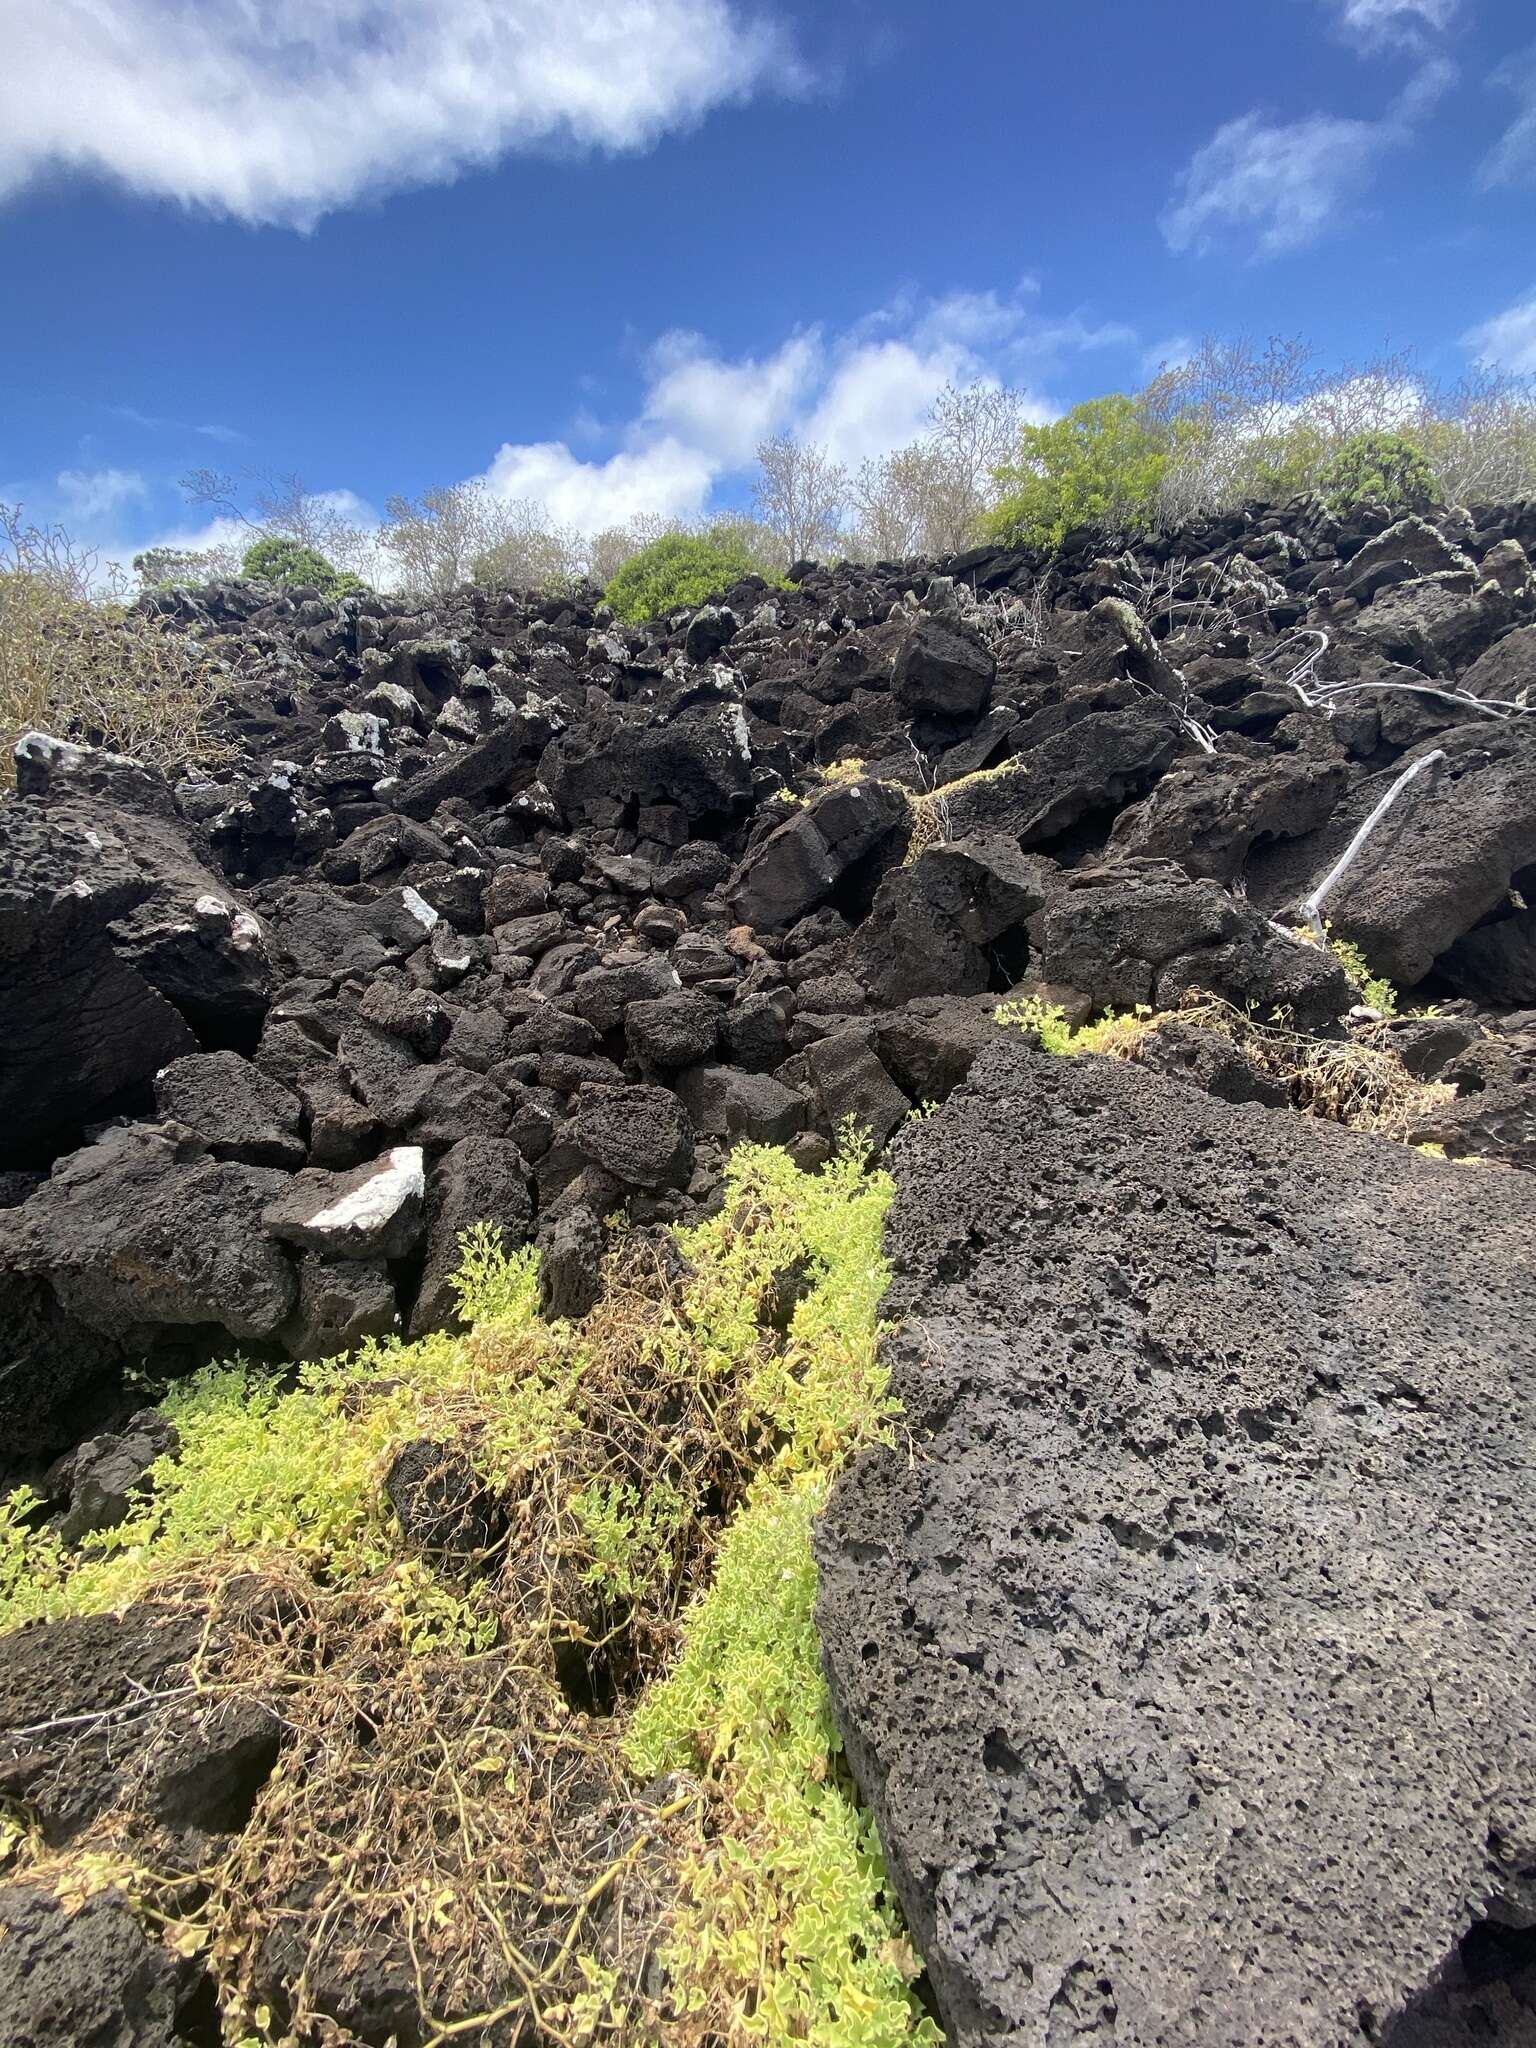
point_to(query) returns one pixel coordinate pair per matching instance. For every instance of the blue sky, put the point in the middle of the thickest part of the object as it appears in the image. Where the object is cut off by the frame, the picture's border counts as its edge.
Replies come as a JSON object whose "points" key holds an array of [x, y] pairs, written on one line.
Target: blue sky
{"points": [[592, 249]]}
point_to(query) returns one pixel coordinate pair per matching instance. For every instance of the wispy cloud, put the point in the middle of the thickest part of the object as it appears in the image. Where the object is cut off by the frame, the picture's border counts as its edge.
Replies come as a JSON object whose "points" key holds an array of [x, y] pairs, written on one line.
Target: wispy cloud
{"points": [[1286, 183], [1508, 340], [154, 424], [94, 494], [1512, 160], [280, 112], [1387, 24]]}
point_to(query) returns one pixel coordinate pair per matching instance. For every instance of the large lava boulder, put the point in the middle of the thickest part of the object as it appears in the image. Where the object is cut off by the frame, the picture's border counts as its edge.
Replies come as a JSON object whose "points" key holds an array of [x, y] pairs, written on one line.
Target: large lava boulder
{"points": [[1189, 1664], [119, 948]]}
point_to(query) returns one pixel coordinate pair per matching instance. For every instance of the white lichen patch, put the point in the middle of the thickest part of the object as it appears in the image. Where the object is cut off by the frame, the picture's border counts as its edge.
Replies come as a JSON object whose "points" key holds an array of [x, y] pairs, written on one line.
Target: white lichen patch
{"points": [[401, 1177]]}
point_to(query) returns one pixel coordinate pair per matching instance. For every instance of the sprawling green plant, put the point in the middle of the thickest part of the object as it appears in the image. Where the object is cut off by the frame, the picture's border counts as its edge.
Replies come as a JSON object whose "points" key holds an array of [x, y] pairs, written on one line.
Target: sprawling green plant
{"points": [[678, 569], [1100, 465], [276, 559], [666, 1459], [1388, 468]]}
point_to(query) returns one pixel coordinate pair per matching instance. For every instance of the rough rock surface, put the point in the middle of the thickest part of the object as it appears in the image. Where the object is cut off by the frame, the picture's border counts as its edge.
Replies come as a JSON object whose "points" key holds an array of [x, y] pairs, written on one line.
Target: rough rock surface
{"points": [[87, 1979], [1189, 1662]]}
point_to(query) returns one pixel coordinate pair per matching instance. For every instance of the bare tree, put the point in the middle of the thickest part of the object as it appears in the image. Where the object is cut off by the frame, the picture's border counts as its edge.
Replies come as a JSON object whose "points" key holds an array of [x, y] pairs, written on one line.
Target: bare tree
{"points": [[284, 506], [891, 500], [1481, 438], [800, 494], [972, 431], [609, 550], [928, 497], [526, 551], [434, 540]]}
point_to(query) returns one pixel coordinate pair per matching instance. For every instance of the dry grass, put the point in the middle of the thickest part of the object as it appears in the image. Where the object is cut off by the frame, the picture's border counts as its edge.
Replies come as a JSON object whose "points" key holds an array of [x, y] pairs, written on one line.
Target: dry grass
{"points": [[86, 667]]}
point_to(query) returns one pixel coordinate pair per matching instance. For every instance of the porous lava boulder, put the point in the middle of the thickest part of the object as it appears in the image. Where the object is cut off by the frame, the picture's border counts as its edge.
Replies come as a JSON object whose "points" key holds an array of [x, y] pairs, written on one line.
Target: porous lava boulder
{"points": [[240, 1112], [1141, 931], [943, 668], [1443, 857], [87, 1978], [642, 1136], [1189, 1664], [104, 1713], [144, 1231]]}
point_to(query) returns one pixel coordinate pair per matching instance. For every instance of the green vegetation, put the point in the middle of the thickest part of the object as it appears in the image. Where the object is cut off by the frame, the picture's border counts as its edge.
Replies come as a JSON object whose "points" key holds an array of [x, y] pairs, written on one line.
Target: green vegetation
{"points": [[665, 1460], [1359, 1081], [276, 559], [1374, 990], [1388, 468], [1101, 465], [676, 570]]}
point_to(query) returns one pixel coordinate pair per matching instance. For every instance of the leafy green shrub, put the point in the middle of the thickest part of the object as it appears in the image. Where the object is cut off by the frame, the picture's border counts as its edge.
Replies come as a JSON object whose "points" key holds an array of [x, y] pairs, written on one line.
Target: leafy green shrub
{"points": [[1389, 469], [1101, 465], [679, 569], [276, 559]]}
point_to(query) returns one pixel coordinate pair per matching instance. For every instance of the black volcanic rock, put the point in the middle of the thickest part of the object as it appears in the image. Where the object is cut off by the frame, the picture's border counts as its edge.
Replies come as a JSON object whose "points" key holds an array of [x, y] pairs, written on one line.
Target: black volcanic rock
{"points": [[1187, 1661]]}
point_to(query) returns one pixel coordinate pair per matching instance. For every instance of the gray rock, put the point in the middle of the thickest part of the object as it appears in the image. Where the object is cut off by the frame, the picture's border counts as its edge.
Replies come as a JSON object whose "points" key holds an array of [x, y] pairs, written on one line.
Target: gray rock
{"points": [[117, 945], [443, 1505], [943, 669], [1096, 762], [673, 1031], [340, 1303], [570, 1265], [90, 1978], [799, 865], [143, 1230], [237, 1109], [1189, 1664], [1142, 932], [642, 1136], [1496, 963], [1444, 856], [850, 1081], [103, 1474], [724, 1102]]}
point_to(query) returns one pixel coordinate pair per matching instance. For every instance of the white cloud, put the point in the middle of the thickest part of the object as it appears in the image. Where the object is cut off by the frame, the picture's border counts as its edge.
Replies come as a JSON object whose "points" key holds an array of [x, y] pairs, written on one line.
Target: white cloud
{"points": [[1508, 340], [1287, 181], [1171, 353], [280, 110], [1512, 160], [98, 493], [664, 476], [1376, 24], [726, 409], [861, 393], [152, 423]]}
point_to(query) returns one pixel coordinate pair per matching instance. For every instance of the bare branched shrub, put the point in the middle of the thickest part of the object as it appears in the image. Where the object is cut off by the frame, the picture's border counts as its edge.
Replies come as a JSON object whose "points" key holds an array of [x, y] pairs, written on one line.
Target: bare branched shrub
{"points": [[75, 661], [528, 551], [283, 507], [1265, 422], [927, 498], [1203, 601], [800, 495]]}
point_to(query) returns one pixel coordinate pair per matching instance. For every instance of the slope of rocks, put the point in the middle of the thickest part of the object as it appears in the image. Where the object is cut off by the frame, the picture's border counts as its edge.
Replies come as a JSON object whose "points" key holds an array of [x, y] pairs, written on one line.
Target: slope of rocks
{"points": [[502, 909], [1187, 1665]]}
